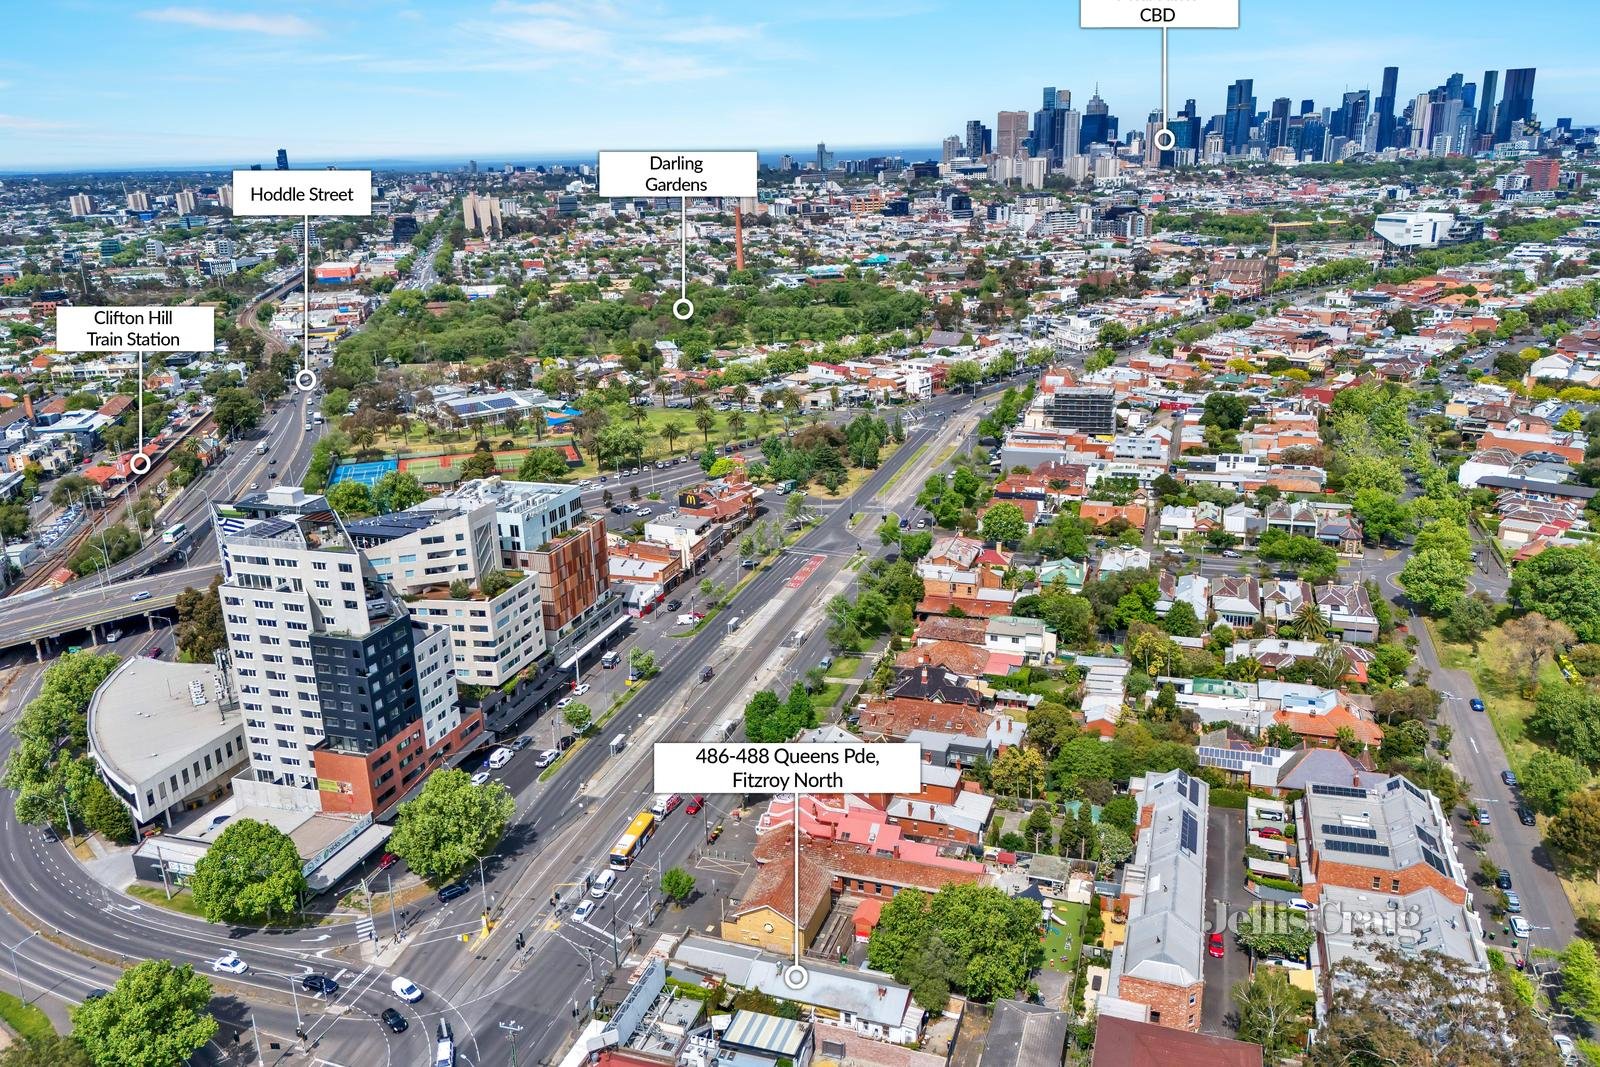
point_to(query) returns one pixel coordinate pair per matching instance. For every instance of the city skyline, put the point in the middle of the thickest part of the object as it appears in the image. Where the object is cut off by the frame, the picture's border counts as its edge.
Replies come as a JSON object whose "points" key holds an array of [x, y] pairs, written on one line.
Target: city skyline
{"points": [[460, 72]]}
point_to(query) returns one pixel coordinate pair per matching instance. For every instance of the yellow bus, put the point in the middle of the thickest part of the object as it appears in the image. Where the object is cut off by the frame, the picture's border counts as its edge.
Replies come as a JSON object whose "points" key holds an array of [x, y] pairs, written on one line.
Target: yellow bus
{"points": [[632, 840]]}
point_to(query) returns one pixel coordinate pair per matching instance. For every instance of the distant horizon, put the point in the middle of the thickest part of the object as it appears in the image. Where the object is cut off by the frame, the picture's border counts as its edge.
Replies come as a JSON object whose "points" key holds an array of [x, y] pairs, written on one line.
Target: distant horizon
{"points": [[768, 156], [96, 85]]}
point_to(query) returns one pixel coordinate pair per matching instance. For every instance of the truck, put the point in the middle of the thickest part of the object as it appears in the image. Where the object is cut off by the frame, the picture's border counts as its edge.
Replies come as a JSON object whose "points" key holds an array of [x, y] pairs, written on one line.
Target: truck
{"points": [[610, 660], [785, 488], [261, 449]]}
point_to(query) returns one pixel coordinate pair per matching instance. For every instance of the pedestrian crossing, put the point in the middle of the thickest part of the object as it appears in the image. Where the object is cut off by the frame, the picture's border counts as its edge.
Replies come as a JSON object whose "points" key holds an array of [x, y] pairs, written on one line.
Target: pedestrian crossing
{"points": [[367, 930]]}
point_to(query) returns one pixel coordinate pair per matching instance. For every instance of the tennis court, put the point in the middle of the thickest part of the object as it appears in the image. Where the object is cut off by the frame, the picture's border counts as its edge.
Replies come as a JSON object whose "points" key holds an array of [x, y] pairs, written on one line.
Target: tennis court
{"points": [[367, 472]]}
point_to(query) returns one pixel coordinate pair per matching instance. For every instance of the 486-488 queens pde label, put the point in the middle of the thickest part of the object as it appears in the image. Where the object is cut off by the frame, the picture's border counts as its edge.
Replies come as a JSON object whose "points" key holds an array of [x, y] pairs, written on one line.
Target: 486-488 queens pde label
{"points": [[789, 768]]}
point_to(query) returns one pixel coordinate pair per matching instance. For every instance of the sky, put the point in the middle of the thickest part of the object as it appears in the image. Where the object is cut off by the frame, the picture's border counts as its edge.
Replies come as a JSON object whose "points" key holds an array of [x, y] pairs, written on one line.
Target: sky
{"points": [[125, 83]]}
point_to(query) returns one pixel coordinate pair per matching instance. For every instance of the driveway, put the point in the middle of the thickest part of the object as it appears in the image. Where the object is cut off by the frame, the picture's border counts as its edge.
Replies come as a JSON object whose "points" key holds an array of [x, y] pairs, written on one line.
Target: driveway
{"points": [[1224, 883]]}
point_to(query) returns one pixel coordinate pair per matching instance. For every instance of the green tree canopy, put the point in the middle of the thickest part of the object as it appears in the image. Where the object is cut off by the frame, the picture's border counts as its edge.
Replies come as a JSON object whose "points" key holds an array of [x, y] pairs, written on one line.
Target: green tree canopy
{"points": [[1275, 930], [543, 465], [1562, 584], [397, 491], [1549, 778], [250, 874], [450, 824], [155, 1016], [972, 938]]}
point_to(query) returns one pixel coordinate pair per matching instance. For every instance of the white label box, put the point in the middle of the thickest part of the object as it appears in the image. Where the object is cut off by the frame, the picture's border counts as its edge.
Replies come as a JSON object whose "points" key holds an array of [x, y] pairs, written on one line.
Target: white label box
{"points": [[1158, 14], [850, 767], [677, 174], [136, 329], [302, 192]]}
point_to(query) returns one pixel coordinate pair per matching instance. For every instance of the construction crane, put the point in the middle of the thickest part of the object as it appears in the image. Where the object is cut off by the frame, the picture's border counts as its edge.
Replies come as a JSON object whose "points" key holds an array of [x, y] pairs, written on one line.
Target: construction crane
{"points": [[1276, 226]]}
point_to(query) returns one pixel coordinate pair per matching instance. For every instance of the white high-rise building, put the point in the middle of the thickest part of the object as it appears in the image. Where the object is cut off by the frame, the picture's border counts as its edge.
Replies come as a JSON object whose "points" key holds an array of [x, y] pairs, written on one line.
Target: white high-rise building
{"points": [[80, 204], [138, 200]]}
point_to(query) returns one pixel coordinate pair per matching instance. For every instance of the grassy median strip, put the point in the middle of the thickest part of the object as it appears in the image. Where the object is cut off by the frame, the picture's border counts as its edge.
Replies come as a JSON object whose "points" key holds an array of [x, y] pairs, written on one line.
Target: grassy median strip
{"points": [[907, 465], [25, 1020]]}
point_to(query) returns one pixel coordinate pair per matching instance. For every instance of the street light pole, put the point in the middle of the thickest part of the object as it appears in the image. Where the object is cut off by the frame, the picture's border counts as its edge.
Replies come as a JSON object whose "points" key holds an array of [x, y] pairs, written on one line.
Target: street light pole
{"points": [[483, 883], [296, 998], [17, 974], [512, 1030]]}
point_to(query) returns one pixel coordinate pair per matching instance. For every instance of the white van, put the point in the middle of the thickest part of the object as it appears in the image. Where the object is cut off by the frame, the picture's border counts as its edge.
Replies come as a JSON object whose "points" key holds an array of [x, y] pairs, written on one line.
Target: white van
{"points": [[602, 884]]}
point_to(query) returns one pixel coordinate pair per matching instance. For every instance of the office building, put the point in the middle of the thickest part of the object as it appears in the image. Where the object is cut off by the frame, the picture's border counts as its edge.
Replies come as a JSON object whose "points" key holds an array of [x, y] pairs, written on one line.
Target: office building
{"points": [[79, 204], [979, 139], [345, 696], [1276, 132], [1383, 110], [1238, 116], [1487, 110], [1516, 104], [283, 159], [824, 157], [1010, 133], [1099, 126]]}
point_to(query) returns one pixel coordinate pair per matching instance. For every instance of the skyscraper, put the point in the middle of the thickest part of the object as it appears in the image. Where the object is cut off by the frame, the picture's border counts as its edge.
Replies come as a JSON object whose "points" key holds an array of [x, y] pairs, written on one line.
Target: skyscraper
{"points": [[1278, 122], [1099, 127], [283, 159], [1486, 113], [824, 157], [1383, 111], [979, 139], [1010, 131], [1240, 113], [950, 149], [1517, 104]]}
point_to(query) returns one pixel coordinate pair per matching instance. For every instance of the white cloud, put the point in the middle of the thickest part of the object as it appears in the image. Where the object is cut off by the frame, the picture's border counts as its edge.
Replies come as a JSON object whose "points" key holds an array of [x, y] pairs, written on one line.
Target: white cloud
{"points": [[235, 22], [21, 122]]}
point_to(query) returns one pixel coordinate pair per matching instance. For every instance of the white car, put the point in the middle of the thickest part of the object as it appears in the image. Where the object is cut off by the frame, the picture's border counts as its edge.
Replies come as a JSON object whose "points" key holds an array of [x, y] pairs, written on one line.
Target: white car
{"points": [[480, 778], [230, 964], [1519, 927], [500, 757], [563, 702], [545, 758], [406, 990], [584, 910], [583, 688]]}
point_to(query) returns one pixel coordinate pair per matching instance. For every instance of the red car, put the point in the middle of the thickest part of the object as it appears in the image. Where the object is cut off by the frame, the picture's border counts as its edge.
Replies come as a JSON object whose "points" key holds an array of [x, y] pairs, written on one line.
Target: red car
{"points": [[1270, 831], [1215, 946], [694, 806], [387, 860]]}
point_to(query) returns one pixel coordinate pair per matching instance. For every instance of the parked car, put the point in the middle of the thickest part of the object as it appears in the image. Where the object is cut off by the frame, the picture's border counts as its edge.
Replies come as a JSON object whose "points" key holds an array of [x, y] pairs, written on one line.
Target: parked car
{"points": [[563, 702], [522, 742], [1229, 553], [565, 742], [387, 860], [394, 1021], [545, 758], [1519, 927], [1269, 831], [153, 652], [1513, 903], [405, 989], [1525, 816], [1215, 946], [1483, 816], [666, 806], [1509, 778], [1475, 704], [453, 890], [1503, 879], [230, 964], [674, 605]]}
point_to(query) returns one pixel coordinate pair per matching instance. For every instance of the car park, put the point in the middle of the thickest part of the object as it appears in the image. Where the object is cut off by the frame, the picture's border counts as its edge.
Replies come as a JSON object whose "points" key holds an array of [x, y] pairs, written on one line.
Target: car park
{"points": [[229, 964], [394, 1021], [405, 989], [452, 891]]}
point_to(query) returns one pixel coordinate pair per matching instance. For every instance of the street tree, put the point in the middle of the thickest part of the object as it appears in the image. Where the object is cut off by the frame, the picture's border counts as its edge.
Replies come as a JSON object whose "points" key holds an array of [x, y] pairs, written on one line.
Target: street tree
{"points": [[1549, 778], [200, 632], [1271, 1012], [236, 411], [155, 1016], [450, 824], [250, 874], [579, 716], [677, 884], [1434, 580], [1580, 979]]}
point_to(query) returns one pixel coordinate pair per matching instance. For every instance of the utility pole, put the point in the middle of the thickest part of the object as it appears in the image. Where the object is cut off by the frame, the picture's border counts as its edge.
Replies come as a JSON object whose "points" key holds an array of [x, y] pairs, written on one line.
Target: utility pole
{"points": [[512, 1030], [255, 1035], [388, 886]]}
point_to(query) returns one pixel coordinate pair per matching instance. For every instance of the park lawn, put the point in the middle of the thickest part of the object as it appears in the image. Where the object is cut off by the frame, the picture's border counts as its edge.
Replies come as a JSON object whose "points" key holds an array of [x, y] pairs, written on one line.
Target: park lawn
{"points": [[1507, 708], [1067, 927], [828, 697], [845, 667], [25, 1020]]}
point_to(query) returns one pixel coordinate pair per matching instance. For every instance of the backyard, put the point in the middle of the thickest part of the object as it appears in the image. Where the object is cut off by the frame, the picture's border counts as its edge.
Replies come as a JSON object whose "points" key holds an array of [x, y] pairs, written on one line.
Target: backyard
{"points": [[1063, 937]]}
